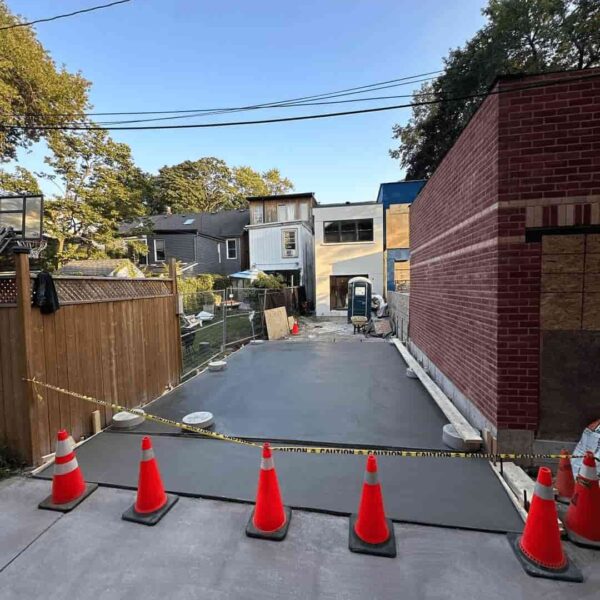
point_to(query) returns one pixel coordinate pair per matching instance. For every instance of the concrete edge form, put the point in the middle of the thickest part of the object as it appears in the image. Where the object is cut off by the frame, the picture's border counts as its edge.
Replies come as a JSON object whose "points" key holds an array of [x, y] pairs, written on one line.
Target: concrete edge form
{"points": [[511, 493], [463, 428]]}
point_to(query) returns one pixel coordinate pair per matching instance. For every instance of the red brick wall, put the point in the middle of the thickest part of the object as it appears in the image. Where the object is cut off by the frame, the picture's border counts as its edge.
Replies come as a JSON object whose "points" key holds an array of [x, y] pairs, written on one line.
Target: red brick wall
{"points": [[475, 282]]}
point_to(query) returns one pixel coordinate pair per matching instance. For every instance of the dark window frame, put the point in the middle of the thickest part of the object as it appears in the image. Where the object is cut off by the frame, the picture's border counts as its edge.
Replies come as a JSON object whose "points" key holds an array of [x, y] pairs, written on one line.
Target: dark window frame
{"points": [[340, 232]]}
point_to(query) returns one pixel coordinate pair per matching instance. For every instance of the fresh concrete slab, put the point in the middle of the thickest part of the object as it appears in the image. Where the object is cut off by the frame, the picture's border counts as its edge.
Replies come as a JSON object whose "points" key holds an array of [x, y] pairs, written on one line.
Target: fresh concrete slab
{"points": [[21, 523], [463, 428], [199, 550], [336, 393], [435, 491]]}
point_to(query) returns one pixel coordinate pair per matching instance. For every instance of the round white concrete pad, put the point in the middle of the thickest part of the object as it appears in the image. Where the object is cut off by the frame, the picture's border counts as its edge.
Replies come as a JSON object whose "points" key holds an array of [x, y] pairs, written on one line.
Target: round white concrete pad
{"points": [[127, 420], [201, 419], [217, 365]]}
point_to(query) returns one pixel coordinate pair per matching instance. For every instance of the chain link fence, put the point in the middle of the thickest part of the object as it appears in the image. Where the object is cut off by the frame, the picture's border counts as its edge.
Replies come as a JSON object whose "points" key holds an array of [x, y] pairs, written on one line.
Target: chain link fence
{"points": [[216, 320]]}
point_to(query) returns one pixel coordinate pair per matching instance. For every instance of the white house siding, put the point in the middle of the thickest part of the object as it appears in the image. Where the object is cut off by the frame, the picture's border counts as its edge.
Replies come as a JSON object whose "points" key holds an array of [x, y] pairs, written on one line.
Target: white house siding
{"points": [[266, 250], [358, 258]]}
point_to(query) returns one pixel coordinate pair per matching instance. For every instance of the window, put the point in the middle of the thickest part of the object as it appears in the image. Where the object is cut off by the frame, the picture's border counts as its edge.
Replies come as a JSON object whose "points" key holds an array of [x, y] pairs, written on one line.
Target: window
{"points": [[286, 212], [257, 213], [338, 291], [304, 211], [289, 242], [231, 249], [347, 232], [159, 250]]}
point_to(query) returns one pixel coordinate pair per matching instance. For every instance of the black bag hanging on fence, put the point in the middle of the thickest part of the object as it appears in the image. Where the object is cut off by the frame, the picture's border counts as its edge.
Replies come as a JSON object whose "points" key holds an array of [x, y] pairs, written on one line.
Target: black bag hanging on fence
{"points": [[44, 293]]}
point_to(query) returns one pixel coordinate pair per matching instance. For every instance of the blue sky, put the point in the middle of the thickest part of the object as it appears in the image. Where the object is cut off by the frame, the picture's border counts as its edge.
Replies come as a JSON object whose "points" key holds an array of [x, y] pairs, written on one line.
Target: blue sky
{"points": [[180, 54]]}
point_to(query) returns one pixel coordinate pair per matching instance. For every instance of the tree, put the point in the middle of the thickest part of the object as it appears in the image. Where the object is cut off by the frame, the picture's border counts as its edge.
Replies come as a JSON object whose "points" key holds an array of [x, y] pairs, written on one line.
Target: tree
{"points": [[21, 181], [100, 188], [521, 36], [209, 184], [33, 91]]}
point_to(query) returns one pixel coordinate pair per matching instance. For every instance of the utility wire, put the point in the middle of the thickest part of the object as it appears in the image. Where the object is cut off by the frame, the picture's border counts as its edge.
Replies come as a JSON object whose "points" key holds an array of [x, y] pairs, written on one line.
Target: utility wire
{"points": [[547, 83], [348, 91], [64, 16], [271, 106]]}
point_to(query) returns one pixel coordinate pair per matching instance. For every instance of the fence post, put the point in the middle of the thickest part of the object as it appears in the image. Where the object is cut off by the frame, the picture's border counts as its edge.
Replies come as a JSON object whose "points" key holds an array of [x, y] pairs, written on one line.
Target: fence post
{"points": [[30, 448], [173, 276], [225, 298]]}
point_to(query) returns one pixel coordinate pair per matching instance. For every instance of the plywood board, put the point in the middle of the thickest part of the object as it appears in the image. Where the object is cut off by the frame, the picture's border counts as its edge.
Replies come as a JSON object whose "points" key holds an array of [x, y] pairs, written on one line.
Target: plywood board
{"points": [[291, 322], [277, 323]]}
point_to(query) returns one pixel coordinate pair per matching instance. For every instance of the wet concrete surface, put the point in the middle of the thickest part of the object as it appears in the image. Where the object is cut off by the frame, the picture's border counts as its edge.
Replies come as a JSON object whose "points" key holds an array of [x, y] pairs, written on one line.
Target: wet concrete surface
{"points": [[435, 491], [337, 393], [199, 550]]}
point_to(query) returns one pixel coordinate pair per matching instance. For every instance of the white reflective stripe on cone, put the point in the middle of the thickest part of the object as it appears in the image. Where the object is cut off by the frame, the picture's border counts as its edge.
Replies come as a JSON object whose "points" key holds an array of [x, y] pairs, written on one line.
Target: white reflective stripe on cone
{"points": [[64, 468], [371, 478], [148, 454], [266, 464], [542, 491], [63, 447], [588, 472]]}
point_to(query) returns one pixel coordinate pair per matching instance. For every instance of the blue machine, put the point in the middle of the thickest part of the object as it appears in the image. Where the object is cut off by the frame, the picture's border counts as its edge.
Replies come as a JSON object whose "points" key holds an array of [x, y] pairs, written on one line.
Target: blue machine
{"points": [[359, 298]]}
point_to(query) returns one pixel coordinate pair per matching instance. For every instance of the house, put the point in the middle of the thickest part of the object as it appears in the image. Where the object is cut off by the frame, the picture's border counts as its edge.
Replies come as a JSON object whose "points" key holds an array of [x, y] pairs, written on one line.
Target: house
{"points": [[505, 263], [348, 243], [106, 267], [281, 235], [205, 242], [396, 198]]}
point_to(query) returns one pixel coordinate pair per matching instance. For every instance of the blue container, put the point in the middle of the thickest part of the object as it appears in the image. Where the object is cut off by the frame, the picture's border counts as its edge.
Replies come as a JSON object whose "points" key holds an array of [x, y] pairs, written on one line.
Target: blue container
{"points": [[359, 298]]}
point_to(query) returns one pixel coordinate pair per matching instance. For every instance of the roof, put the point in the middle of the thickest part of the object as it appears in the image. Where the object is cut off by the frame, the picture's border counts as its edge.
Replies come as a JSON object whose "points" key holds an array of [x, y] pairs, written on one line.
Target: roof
{"points": [[346, 204], [99, 268], [399, 192], [222, 224], [284, 196]]}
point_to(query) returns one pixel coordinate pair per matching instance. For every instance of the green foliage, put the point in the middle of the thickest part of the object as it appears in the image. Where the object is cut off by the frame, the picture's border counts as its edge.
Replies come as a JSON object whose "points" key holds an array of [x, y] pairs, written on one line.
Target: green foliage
{"points": [[20, 181], [265, 281], [101, 187], [221, 282], [209, 184], [192, 285], [521, 36], [32, 87]]}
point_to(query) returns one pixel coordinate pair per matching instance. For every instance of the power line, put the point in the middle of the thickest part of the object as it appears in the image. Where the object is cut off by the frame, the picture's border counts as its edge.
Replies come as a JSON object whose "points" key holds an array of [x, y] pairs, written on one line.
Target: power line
{"points": [[303, 117], [348, 91], [65, 15]]}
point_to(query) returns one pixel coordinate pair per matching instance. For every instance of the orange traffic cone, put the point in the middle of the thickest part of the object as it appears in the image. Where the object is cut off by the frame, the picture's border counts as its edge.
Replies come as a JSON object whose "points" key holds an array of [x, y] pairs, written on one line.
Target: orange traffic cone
{"points": [[539, 549], [370, 531], [295, 328], [269, 520], [565, 483], [582, 520], [68, 485], [151, 503]]}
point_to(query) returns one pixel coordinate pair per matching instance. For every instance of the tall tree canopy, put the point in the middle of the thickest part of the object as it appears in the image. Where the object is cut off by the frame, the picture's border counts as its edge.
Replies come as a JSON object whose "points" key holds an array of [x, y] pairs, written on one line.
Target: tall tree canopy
{"points": [[209, 184], [521, 36], [33, 91]]}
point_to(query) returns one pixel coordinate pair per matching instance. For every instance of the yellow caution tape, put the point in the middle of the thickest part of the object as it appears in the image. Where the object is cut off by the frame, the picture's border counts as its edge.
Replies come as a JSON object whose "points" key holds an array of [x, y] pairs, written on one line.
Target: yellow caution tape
{"points": [[298, 449]]}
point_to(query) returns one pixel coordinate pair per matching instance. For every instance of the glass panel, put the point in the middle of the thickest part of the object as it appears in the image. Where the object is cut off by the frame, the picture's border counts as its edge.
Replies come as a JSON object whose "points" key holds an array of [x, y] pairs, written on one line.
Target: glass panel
{"points": [[304, 211], [11, 204], [257, 214], [33, 218], [365, 230], [289, 243], [348, 231], [159, 249], [231, 249], [282, 212], [331, 232], [14, 220]]}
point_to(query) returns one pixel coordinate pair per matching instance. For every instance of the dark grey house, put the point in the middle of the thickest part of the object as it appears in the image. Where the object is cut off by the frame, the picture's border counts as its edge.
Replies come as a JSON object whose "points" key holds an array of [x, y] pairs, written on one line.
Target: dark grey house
{"points": [[204, 242]]}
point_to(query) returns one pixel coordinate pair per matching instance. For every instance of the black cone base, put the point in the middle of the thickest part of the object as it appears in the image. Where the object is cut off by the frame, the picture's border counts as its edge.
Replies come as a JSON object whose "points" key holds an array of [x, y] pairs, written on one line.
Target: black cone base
{"points": [[150, 518], [569, 573], [277, 535], [388, 548], [47, 503]]}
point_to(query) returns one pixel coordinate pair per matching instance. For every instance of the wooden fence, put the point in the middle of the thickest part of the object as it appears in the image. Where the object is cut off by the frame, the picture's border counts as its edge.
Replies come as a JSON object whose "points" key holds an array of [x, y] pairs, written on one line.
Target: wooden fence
{"points": [[114, 339]]}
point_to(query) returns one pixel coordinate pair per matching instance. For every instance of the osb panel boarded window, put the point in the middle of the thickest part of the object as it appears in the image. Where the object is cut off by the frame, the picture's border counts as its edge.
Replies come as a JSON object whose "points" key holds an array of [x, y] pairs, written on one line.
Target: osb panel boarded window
{"points": [[570, 298]]}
